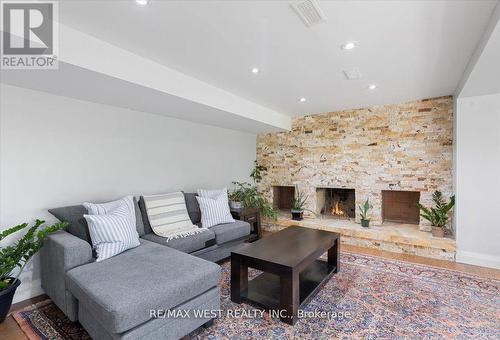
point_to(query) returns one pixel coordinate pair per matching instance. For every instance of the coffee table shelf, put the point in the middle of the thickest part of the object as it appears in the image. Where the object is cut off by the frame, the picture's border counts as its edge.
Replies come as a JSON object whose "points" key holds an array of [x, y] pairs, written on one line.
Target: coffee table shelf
{"points": [[264, 290]]}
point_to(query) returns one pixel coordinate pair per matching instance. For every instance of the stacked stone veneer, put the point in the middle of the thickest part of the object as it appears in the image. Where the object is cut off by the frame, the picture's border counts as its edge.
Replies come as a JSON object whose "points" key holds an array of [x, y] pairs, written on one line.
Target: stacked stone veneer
{"points": [[404, 146]]}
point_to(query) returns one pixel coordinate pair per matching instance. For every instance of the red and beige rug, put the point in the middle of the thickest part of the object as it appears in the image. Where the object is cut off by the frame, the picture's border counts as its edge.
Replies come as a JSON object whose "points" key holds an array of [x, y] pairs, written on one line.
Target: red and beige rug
{"points": [[370, 297]]}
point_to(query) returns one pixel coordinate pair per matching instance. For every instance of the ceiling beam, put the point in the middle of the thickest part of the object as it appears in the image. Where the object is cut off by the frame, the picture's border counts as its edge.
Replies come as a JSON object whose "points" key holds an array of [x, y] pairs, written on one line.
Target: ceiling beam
{"points": [[78, 49]]}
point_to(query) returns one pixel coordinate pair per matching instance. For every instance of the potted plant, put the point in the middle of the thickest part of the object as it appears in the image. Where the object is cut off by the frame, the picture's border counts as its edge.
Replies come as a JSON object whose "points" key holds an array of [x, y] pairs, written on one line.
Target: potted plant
{"points": [[438, 216], [363, 212], [298, 203], [17, 256], [236, 198], [248, 196]]}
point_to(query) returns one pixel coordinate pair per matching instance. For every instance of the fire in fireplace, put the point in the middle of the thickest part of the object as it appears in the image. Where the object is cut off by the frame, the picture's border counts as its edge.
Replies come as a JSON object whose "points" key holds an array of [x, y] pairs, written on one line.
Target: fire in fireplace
{"points": [[337, 210], [336, 202]]}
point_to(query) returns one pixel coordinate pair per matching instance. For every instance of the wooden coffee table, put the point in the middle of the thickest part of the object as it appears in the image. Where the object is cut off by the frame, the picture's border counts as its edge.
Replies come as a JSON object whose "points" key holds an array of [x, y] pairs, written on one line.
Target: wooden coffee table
{"points": [[293, 272]]}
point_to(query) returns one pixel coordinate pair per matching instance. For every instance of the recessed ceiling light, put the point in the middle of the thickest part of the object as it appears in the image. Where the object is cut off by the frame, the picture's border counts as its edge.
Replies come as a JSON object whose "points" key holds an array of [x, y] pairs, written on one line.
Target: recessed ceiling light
{"points": [[348, 45], [372, 87], [142, 3], [302, 100], [255, 70]]}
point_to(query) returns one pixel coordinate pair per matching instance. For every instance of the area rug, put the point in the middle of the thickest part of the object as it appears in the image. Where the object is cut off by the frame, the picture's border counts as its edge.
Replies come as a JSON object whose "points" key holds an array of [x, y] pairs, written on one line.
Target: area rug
{"points": [[369, 298], [44, 320]]}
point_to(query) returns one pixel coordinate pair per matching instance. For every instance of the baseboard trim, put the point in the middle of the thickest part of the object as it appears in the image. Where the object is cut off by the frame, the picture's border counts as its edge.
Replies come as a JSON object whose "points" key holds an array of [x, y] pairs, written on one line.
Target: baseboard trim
{"points": [[28, 288], [478, 259], [28, 302]]}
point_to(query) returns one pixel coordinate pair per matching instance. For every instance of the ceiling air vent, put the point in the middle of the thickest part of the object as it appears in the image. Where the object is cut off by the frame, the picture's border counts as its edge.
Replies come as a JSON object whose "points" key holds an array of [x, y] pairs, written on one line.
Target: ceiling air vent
{"points": [[352, 73], [309, 11]]}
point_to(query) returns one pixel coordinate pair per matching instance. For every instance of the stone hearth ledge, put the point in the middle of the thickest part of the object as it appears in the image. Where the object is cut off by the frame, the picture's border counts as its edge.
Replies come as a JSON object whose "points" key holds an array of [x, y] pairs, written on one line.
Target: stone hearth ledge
{"points": [[399, 238]]}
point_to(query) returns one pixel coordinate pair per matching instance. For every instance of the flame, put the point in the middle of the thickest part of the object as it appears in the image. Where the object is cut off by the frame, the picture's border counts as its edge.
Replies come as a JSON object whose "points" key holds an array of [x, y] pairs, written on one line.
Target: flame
{"points": [[337, 210]]}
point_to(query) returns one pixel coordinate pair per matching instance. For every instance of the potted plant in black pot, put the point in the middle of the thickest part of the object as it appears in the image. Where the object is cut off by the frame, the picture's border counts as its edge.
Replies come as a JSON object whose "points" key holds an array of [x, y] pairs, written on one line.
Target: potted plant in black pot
{"points": [[16, 256], [298, 204], [438, 215], [363, 212]]}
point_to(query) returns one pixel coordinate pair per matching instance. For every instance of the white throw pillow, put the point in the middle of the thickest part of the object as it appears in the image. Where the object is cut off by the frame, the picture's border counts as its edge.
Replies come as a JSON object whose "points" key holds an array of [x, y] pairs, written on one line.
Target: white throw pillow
{"points": [[212, 193], [214, 211], [112, 227]]}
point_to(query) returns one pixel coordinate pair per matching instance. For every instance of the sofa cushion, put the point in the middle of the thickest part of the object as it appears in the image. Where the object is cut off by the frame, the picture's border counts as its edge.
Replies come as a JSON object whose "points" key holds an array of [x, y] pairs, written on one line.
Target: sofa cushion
{"points": [[193, 207], [230, 231], [186, 244], [78, 225], [121, 291]]}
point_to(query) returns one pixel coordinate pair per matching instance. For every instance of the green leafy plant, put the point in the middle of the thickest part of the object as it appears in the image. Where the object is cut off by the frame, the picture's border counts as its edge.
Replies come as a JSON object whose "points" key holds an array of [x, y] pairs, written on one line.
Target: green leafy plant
{"points": [[299, 200], [363, 210], [257, 172], [20, 253], [438, 216], [249, 197]]}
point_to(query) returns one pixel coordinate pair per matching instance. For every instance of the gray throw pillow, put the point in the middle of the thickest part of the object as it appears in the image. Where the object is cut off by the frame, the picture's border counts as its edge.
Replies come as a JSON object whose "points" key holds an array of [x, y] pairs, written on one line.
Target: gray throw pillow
{"points": [[78, 225], [144, 214], [74, 216], [138, 218], [193, 207]]}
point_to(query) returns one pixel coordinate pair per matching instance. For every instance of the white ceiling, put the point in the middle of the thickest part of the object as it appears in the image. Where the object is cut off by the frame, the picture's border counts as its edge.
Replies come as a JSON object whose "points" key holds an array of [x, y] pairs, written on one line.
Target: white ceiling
{"points": [[410, 49]]}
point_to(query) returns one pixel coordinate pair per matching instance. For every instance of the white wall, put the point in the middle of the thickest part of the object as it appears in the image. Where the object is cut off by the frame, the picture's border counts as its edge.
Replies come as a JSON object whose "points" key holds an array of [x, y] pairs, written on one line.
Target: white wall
{"points": [[478, 180], [57, 151]]}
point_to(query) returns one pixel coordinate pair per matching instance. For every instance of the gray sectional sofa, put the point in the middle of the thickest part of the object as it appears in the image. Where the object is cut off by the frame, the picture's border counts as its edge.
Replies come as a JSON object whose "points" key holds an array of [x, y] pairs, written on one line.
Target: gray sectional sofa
{"points": [[117, 298]]}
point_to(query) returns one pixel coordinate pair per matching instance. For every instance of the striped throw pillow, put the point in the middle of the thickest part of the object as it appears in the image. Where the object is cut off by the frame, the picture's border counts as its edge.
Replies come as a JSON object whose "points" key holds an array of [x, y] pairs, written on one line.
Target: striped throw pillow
{"points": [[112, 227], [215, 210], [168, 215]]}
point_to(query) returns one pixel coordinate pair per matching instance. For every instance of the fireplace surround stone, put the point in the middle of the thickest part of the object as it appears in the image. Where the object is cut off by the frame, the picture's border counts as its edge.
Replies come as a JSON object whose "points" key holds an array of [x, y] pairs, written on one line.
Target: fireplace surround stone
{"points": [[401, 147]]}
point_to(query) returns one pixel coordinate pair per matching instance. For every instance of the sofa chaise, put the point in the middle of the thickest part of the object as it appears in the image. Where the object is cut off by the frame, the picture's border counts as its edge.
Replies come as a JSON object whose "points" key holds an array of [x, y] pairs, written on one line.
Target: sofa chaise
{"points": [[118, 298]]}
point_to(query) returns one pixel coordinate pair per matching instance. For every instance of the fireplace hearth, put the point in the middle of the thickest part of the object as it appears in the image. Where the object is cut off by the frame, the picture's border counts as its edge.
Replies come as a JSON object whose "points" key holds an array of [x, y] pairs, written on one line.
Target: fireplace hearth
{"points": [[336, 203]]}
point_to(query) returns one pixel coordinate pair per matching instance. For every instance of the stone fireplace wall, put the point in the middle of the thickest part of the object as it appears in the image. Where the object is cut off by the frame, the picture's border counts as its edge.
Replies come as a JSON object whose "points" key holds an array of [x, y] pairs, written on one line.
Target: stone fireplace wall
{"points": [[404, 146]]}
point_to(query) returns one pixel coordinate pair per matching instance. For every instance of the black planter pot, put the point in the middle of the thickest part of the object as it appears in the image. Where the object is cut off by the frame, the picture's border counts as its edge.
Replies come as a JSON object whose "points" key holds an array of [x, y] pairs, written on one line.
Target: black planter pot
{"points": [[297, 215], [6, 297], [365, 223]]}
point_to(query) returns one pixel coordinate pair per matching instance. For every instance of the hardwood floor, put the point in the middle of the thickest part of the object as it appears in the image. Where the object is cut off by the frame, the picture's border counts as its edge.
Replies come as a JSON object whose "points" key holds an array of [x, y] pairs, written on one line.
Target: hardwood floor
{"points": [[10, 330], [461, 267]]}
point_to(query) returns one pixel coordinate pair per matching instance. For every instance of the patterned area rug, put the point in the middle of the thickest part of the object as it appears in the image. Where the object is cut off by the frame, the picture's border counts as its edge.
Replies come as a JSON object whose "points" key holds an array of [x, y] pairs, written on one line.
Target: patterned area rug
{"points": [[370, 297], [45, 320]]}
